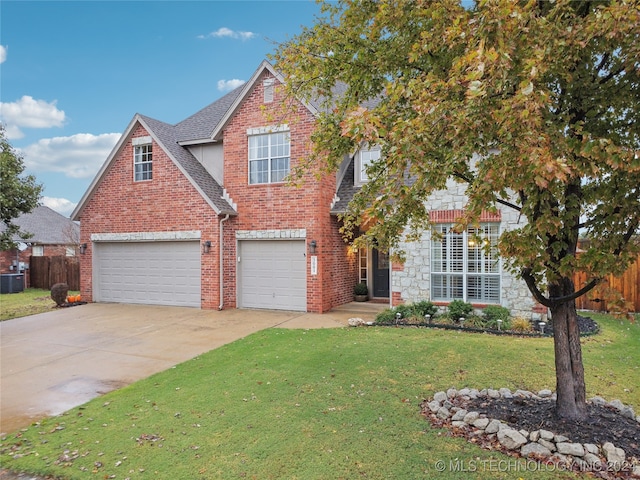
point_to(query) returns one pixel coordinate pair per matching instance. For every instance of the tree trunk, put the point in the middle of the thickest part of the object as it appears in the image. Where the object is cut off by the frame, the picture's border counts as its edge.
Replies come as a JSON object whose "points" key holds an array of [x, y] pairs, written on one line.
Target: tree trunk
{"points": [[570, 387]]}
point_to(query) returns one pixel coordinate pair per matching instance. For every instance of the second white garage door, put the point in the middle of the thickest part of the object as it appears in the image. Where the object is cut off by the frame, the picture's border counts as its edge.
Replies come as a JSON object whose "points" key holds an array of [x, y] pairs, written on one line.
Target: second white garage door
{"points": [[272, 274], [152, 273]]}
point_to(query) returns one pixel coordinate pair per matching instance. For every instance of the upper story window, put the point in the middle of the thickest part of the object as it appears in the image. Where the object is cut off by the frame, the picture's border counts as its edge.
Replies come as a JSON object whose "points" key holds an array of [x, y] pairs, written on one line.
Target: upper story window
{"points": [[142, 159], [269, 157], [366, 156], [465, 266]]}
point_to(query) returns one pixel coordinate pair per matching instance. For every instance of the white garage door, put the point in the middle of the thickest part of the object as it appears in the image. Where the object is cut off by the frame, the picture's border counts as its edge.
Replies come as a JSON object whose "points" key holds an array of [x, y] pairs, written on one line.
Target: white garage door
{"points": [[272, 274], [152, 273]]}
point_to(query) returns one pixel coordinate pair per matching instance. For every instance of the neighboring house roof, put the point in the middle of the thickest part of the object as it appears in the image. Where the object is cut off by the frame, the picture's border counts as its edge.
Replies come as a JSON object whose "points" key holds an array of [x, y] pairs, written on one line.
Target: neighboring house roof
{"points": [[47, 227]]}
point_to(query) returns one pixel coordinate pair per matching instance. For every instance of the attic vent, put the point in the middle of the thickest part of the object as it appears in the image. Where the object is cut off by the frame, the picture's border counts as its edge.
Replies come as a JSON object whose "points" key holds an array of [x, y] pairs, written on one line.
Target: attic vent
{"points": [[268, 85]]}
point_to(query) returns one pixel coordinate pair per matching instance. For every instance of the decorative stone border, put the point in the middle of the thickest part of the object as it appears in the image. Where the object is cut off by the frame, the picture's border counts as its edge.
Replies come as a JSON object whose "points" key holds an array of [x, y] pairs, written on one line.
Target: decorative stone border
{"points": [[557, 449]]}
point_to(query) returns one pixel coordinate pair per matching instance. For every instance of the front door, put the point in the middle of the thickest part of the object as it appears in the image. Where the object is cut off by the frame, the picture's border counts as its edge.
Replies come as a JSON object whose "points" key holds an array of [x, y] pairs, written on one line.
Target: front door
{"points": [[380, 273]]}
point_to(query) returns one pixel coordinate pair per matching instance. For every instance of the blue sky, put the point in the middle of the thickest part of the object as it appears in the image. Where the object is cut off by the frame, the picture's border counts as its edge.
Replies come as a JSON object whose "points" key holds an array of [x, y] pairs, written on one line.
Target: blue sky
{"points": [[73, 74]]}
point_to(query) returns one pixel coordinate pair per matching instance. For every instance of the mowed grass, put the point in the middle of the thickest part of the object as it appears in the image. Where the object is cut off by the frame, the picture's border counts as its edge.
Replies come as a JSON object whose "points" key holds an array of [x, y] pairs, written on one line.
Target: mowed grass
{"points": [[316, 404], [28, 302]]}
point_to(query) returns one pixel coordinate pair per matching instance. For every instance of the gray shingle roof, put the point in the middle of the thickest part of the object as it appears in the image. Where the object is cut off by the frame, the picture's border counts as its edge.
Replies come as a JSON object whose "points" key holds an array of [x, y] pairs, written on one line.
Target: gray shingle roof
{"points": [[346, 190], [48, 227], [200, 125], [167, 135]]}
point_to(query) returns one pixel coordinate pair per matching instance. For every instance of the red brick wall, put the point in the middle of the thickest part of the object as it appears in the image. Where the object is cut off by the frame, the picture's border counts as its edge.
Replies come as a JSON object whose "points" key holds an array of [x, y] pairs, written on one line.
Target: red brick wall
{"points": [[283, 206], [168, 202]]}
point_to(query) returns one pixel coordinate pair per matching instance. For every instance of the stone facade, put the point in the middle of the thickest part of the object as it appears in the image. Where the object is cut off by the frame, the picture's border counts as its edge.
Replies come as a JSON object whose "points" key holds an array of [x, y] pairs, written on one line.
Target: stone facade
{"points": [[411, 282]]}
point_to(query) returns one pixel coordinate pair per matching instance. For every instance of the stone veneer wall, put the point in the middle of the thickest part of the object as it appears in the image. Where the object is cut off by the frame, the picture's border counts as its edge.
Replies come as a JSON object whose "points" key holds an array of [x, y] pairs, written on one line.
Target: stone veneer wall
{"points": [[413, 282]]}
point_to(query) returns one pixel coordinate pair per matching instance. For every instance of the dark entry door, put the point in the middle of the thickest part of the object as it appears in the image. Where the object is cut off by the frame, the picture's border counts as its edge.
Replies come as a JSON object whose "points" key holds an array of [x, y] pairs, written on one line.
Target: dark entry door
{"points": [[380, 273]]}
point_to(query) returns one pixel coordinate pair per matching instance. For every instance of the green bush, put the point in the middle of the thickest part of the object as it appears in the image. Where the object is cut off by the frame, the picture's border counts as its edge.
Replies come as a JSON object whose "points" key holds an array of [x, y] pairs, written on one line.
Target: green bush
{"points": [[405, 310], [459, 308], [360, 289], [492, 313], [423, 308], [387, 316]]}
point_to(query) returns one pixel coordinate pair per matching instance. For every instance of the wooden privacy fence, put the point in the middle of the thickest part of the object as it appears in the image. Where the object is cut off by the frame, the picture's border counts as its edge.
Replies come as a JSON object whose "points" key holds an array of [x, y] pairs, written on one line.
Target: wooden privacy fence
{"points": [[45, 272], [628, 285]]}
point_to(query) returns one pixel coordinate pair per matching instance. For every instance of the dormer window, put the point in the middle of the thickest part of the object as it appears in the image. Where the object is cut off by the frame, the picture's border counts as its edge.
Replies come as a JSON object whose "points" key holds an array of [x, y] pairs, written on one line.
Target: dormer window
{"points": [[142, 159], [366, 156]]}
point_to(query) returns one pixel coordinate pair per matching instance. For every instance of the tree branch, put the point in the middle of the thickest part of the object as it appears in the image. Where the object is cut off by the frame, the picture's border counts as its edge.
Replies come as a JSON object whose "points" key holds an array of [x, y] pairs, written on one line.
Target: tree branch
{"points": [[551, 302]]}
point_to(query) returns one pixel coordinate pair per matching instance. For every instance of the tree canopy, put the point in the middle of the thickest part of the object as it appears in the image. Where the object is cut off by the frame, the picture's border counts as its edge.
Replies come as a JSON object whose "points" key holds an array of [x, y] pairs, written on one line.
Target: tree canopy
{"points": [[533, 105], [18, 194]]}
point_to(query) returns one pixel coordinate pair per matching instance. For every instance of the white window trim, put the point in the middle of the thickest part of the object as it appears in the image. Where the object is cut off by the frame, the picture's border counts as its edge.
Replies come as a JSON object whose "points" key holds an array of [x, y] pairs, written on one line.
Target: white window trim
{"points": [[361, 176], [135, 156], [259, 131], [466, 273]]}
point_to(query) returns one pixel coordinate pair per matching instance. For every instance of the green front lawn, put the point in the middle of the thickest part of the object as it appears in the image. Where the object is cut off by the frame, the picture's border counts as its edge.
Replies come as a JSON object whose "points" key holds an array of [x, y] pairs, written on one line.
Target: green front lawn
{"points": [[29, 302], [317, 404]]}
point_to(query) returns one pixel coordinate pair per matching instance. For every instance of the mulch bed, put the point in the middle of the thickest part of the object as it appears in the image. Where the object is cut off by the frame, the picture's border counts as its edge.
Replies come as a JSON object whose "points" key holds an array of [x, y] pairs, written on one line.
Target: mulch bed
{"points": [[604, 424]]}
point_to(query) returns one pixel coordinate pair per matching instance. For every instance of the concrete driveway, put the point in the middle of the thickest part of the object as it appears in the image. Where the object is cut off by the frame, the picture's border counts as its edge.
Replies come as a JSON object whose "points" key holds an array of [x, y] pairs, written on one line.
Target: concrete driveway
{"points": [[55, 361]]}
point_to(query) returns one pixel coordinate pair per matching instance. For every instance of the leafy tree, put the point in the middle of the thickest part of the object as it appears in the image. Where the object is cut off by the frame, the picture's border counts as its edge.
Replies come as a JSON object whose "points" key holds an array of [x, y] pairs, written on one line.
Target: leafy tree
{"points": [[17, 194], [532, 104]]}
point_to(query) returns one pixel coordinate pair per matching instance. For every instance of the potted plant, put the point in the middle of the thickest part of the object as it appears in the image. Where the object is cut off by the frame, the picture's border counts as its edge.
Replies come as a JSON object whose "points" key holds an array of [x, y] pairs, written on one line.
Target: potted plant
{"points": [[361, 292]]}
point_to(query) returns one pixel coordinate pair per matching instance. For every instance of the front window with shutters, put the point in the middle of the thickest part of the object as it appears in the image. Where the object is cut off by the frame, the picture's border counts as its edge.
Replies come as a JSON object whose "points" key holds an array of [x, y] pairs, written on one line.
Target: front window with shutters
{"points": [[269, 157], [465, 266]]}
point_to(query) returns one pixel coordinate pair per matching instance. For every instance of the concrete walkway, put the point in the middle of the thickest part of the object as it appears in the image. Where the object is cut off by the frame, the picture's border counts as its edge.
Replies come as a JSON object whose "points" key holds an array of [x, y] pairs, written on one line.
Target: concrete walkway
{"points": [[55, 361]]}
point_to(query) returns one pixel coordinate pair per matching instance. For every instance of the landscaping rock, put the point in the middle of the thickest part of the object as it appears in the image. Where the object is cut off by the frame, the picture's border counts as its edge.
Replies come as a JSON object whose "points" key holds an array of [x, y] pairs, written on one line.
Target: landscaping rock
{"points": [[443, 413], [560, 439], [545, 393], [481, 423], [493, 426], [534, 436], [546, 434], [547, 444], [536, 449], [615, 456], [493, 393], [440, 397], [459, 415], [573, 449], [355, 322], [471, 417], [591, 448], [505, 393], [511, 439], [434, 405]]}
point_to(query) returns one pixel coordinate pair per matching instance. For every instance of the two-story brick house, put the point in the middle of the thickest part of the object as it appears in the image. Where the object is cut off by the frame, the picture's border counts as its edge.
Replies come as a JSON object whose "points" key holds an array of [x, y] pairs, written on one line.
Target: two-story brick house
{"points": [[198, 214]]}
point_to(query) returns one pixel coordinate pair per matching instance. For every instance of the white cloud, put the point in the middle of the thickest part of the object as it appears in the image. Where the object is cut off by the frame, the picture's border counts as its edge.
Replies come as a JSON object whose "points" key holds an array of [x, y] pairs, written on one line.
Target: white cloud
{"points": [[30, 113], [61, 205], [227, 32], [77, 156], [228, 85], [3, 53]]}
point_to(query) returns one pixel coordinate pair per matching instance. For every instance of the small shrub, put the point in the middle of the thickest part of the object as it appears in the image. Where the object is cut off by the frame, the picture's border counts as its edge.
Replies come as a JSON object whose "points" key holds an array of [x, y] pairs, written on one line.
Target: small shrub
{"points": [[405, 311], [387, 316], [360, 289], [423, 308], [496, 312], [474, 321], [522, 325], [59, 293], [459, 308]]}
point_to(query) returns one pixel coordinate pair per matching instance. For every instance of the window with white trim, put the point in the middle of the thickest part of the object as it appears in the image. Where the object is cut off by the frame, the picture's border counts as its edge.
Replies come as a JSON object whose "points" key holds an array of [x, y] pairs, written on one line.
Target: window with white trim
{"points": [[37, 250], [142, 162], [465, 266], [367, 156], [269, 157]]}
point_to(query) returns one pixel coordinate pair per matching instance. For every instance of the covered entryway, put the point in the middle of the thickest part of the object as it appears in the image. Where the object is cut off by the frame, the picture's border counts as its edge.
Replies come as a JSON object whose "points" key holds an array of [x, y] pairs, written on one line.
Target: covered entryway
{"points": [[272, 274], [151, 273]]}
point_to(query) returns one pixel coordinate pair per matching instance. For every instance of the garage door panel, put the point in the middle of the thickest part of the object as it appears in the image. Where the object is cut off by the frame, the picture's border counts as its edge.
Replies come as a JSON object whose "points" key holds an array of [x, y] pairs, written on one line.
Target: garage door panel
{"points": [[272, 274], [156, 273]]}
